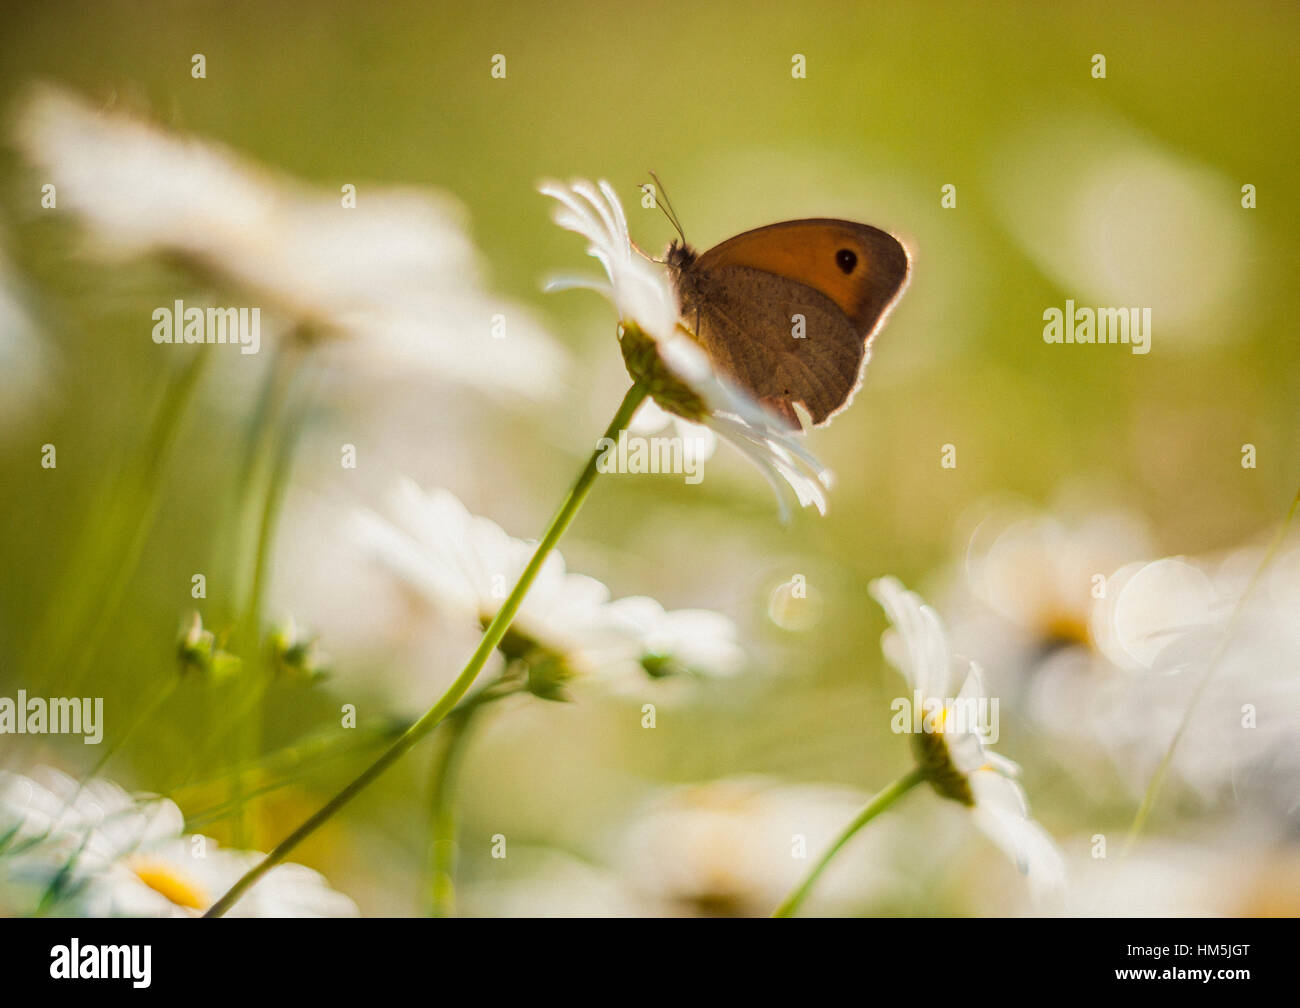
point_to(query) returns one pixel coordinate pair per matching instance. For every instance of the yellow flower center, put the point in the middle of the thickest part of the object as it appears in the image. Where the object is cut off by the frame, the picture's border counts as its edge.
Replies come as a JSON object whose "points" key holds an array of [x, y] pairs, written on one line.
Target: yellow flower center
{"points": [[163, 879], [1066, 628]]}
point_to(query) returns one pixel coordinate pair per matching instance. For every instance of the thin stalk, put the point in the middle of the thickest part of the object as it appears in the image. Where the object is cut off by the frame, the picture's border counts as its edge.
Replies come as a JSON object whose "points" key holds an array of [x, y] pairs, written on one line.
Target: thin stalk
{"points": [[790, 905], [52, 643], [445, 819]]}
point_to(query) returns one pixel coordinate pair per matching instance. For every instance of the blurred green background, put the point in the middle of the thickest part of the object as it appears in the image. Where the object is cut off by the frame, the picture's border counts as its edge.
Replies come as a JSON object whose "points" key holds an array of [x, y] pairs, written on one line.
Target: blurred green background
{"points": [[900, 99]]}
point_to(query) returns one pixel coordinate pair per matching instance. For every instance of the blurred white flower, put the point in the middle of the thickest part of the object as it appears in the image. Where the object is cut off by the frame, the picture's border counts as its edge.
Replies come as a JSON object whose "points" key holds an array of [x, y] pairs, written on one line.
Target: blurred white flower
{"points": [[92, 850], [958, 763], [548, 883], [680, 640], [566, 627], [1219, 638], [392, 284], [1040, 573], [1233, 868], [647, 306], [734, 847], [183, 876], [1024, 599]]}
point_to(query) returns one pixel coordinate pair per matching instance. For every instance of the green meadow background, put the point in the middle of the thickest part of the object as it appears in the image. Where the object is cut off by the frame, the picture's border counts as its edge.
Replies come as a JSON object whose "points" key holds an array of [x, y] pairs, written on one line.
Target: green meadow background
{"points": [[900, 99]]}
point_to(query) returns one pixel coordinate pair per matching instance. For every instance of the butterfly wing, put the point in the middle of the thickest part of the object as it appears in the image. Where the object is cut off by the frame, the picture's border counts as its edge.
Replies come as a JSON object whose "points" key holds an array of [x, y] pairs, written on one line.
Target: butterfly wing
{"points": [[789, 310]]}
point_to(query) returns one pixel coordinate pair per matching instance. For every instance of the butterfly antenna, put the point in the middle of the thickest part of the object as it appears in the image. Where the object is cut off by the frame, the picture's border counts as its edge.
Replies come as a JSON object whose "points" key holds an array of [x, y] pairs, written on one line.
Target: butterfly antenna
{"points": [[667, 207]]}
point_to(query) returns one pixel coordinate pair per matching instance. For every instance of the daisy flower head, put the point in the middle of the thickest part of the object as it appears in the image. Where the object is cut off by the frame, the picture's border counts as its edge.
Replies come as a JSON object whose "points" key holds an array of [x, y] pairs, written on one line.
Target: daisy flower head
{"points": [[93, 850], [567, 626], [385, 281], [723, 848], [661, 354], [1209, 647], [954, 753]]}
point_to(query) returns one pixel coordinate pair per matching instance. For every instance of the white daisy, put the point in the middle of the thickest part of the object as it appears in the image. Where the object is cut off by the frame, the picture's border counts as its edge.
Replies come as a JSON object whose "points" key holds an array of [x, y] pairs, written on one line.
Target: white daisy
{"points": [[183, 876], [92, 850], [733, 847], [957, 760], [1024, 600], [1041, 573], [680, 640], [661, 353], [390, 285], [567, 626], [1218, 638]]}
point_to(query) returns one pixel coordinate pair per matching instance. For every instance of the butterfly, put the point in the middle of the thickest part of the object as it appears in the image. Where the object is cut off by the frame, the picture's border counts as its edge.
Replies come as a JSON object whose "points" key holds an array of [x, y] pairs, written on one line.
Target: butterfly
{"points": [[788, 311]]}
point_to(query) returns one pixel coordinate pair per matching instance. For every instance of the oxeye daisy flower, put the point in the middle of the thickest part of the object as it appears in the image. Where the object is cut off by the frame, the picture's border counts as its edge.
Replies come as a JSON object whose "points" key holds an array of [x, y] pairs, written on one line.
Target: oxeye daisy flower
{"points": [[956, 760], [1206, 651], [92, 850], [731, 847], [383, 280], [660, 353], [567, 626], [182, 877], [1039, 575]]}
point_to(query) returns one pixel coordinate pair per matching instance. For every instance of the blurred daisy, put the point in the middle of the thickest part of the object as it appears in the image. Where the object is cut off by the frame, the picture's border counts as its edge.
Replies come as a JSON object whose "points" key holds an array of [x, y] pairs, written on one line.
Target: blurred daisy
{"points": [[567, 627], [1214, 643], [661, 353], [1031, 579], [92, 850], [732, 847], [1024, 601], [1234, 867], [957, 761], [183, 876], [681, 640], [540, 882], [390, 284]]}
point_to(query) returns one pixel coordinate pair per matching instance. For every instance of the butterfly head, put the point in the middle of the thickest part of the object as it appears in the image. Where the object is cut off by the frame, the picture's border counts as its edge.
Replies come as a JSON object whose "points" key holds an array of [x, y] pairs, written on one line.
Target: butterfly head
{"points": [[680, 256]]}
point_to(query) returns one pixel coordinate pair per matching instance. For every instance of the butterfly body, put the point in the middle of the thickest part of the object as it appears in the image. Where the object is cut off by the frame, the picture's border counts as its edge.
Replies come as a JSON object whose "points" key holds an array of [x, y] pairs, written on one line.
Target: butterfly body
{"points": [[788, 311]]}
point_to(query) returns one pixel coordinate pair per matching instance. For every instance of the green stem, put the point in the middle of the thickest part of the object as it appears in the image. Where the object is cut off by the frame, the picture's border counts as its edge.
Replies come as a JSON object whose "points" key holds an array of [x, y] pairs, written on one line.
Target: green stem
{"points": [[492, 636], [273, 434], [790, 905], [1162, 771], [148, 497], [444, 819]]}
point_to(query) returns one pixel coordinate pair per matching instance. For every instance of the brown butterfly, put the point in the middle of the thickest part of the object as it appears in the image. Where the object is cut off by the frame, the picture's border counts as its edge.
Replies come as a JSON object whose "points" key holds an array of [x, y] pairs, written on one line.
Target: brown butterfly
{"points": [[788, 311]]}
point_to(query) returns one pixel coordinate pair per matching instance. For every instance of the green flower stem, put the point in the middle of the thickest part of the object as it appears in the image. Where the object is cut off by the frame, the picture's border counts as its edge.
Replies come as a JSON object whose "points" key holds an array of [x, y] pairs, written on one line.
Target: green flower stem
{"points": [[1162, 771], [790, 905], [445, 820], [272, 438], [129, 528], [492, 636]]}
